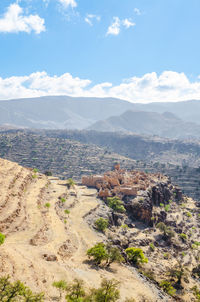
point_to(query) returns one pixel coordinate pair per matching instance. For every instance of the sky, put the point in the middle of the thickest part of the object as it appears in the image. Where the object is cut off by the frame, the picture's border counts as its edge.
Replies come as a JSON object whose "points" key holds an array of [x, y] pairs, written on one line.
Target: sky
{"points": [[137, 50]]}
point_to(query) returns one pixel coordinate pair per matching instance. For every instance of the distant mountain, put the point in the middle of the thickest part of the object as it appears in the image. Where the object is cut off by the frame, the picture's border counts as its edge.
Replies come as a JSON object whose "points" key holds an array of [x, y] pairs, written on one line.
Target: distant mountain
{"points": [[149, 123], [187, 110], [64, 112], [59, 112]]}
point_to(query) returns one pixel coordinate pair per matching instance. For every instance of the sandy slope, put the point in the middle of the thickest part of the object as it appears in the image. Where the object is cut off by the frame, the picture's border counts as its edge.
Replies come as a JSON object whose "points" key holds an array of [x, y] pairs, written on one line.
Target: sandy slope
{"points": [[34, 231]]}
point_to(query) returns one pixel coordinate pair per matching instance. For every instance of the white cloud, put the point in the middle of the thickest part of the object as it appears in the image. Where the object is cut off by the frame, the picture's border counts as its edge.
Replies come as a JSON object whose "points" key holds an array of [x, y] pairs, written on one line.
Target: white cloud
{"points": [[114, 28], [137, 11], [90, 18], [68, 3], [14, 21], [128, 23], [151, 87]]}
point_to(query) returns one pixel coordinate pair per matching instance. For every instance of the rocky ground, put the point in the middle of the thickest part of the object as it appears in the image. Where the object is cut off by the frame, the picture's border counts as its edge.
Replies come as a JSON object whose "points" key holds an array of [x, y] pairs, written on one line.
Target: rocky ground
{"points": [[150, 200], [45, 244]]}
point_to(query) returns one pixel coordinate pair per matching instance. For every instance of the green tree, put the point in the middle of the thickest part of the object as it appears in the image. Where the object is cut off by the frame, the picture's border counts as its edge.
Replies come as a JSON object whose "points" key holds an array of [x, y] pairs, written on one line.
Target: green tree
{"points": [[108, 292], [101, 224], [17, 291], [108, 253], [75, 291], [116, 204], [136, 255], [113, 255], [98, 253]]}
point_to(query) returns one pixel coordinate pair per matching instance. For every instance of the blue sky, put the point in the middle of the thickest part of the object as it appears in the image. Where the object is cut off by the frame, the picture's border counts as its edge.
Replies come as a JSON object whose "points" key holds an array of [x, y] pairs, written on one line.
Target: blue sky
{"points": [[100, 47]]}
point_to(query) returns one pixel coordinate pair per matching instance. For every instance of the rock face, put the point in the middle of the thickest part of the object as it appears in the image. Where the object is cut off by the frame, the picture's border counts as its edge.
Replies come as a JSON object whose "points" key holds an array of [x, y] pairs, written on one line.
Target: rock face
{"points": [[139, 191]]}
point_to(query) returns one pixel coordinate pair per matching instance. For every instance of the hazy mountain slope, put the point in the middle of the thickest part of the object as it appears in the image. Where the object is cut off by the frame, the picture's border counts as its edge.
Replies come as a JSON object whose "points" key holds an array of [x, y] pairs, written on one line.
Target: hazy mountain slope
{"points": [[186, 110], [59, 112], [62, 112], [151, 123]]}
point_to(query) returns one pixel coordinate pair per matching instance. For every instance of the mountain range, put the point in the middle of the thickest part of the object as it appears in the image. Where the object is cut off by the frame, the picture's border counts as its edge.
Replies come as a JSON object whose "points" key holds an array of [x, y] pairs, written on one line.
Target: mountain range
{"points": [[174, 120], [149, 123]]}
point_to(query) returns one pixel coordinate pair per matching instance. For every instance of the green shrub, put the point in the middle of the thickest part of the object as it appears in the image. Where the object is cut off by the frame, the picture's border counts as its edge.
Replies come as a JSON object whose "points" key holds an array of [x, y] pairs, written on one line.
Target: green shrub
{"points": [[152, 246], [17, 291], [166, 255], [183, 236], [167, 231], [162, 205], [71, 182], [116, 204], [63, 200], [67, 212], [108, 253], [101, 224], [75, 291], [168, 288], [196, 292], [136, 255], [124, 226], [167, 207], [98, 253], [47, 205], [2, 238], [108, 292], [61, 286], [189, 214]]}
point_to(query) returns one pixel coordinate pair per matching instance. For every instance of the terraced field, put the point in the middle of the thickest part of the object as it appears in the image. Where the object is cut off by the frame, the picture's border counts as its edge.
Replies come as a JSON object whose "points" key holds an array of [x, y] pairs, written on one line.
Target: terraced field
{"points": [[67, 158], [43, 244]]}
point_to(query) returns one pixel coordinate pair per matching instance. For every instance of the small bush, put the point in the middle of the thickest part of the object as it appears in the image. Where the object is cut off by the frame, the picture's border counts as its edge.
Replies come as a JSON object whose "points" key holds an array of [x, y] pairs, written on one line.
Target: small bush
{"points": [[124, 226], [168, 288], [98, 253], [67, 212], [63, 200], [166, 255], [71, 182], [189, 214], [152, 246], [101, 224], [116, 204], [167, 207], [136, 255], [108, 291], [47, 205], [2, 238], [183, 236], [108, 253]]}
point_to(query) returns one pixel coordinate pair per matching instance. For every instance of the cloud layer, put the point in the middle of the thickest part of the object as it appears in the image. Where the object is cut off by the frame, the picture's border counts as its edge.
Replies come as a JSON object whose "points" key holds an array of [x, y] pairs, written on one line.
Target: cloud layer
{"points": [[68, 3], [169, 86], [14, 21], [115, 27]]}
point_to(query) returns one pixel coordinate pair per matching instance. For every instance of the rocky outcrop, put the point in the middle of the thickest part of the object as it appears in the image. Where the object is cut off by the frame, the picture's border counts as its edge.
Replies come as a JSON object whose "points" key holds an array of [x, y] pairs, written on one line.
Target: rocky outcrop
{"points": [[140, 192]]}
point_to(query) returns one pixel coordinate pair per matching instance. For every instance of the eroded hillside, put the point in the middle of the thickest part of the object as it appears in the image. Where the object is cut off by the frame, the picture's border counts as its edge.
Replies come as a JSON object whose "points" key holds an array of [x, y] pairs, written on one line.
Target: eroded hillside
{"points": [[45, 243]]}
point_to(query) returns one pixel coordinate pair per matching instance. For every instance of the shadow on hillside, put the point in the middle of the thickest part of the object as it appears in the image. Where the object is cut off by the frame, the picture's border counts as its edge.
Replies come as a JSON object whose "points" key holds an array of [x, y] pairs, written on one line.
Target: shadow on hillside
{"points": [[100, 267]]}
